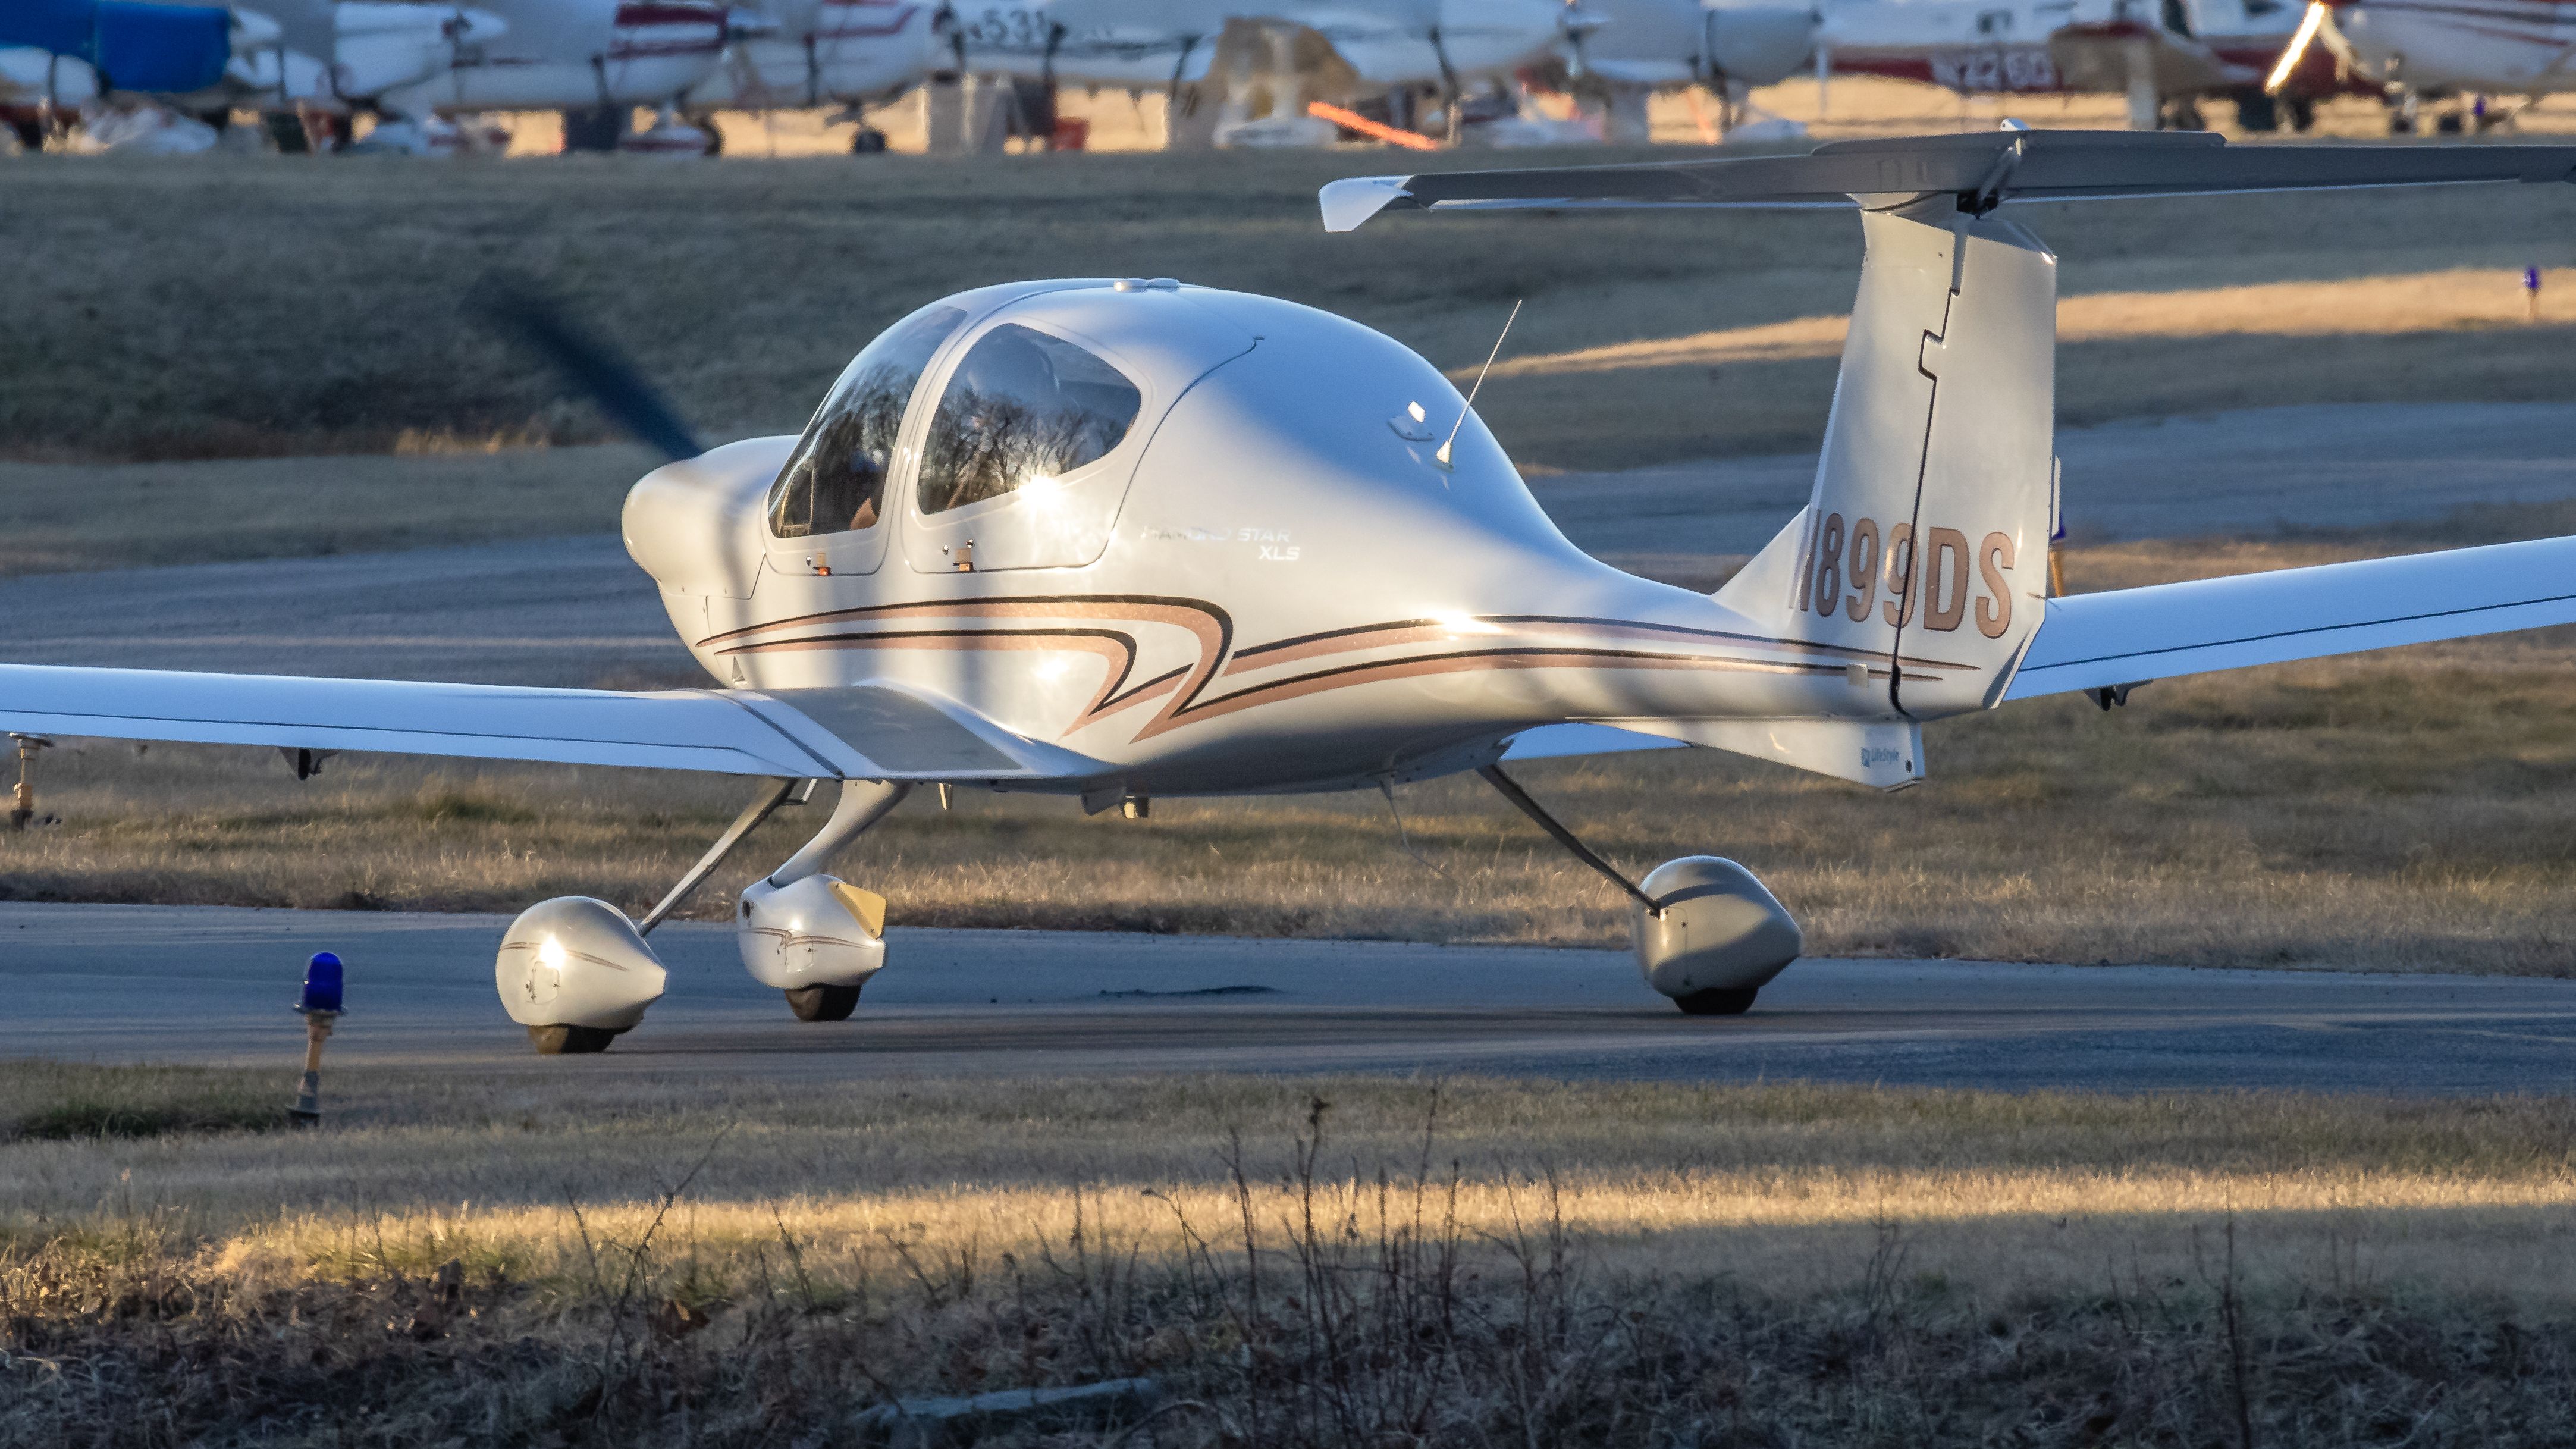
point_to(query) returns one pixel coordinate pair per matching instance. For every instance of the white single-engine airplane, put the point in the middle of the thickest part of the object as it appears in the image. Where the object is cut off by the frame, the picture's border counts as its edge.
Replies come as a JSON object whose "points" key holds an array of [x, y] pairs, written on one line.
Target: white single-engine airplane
{"points": [[1119, 539], [2438, 49]]}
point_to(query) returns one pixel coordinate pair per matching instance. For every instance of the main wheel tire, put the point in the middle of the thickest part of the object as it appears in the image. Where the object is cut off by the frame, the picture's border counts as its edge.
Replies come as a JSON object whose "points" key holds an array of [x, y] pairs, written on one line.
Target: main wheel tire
{"points": [[867, 141], [823, 1003], [1717, 1002], [570, 1041]]}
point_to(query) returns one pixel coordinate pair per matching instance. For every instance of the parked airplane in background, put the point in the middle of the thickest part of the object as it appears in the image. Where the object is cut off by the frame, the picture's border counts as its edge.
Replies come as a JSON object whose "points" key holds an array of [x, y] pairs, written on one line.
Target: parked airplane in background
{"points": [[2443, 50], [409, 62], [594, 60], [1400, 61], [1662, 43], [57, 56], [2166, 56], [1212, 57], [1644, 46], [845, 53], [1108, 540], [334, 59]]}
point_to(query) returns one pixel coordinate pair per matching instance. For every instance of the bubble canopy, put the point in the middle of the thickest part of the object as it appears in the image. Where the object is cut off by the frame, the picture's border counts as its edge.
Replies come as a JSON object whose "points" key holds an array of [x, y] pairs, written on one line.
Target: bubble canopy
{"points": [[835, 480]]}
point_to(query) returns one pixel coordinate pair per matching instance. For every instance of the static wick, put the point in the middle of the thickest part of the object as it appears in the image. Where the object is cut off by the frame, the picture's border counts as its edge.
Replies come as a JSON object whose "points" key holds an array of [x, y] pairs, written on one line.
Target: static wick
{"points": [[320, 1005], [1442, 457]]}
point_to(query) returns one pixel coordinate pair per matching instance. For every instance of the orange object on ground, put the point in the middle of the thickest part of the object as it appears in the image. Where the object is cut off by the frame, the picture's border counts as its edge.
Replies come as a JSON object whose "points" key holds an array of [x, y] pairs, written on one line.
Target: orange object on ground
{"points": [[1379, 130], [1072, 133]]}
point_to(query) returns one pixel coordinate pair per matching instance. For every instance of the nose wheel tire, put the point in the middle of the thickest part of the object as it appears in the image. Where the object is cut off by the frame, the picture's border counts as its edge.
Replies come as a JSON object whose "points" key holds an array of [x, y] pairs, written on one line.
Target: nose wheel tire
{"points": [[570, 1041], [1717, 1003], [823, 1003]]}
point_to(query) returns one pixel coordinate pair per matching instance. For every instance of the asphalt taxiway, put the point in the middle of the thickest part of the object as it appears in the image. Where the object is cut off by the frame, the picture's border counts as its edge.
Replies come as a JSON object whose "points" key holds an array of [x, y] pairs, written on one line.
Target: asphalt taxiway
{"points": [[213, 985]]}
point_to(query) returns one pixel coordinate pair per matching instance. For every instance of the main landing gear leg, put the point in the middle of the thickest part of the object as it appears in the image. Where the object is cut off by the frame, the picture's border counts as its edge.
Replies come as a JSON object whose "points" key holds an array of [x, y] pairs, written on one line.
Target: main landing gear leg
{"points": [[1510, 790], [1707, 933], [773, 794]]}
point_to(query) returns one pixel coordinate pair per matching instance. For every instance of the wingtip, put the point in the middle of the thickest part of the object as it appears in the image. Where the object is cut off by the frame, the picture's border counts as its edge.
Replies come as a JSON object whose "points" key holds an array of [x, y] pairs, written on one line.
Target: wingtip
{"points": [[1354, 199]]}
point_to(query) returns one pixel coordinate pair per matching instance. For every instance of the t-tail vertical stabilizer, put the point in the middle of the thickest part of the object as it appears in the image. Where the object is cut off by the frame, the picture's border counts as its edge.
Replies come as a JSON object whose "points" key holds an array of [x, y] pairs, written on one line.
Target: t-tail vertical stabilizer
{"points": [[1924, 546], [1920, 562]]}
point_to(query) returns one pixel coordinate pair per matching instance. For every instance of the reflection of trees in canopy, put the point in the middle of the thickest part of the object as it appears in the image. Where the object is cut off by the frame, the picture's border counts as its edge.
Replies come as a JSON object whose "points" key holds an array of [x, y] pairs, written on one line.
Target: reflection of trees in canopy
{"points": [[1022, 405], [854, 445], [836, 481], [982, 446]]}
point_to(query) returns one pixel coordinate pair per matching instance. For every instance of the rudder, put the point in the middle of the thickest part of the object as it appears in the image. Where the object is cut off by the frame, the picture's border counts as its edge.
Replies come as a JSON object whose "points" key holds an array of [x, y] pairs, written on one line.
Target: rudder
{"points": [[1926, 538]]}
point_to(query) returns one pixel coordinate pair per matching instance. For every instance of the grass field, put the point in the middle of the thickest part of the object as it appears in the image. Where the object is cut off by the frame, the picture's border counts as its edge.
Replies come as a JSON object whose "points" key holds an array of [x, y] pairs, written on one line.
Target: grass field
{"points": [[525, 1260], [302, 306], [59, 517], [1660, 391], [2399, 811]]}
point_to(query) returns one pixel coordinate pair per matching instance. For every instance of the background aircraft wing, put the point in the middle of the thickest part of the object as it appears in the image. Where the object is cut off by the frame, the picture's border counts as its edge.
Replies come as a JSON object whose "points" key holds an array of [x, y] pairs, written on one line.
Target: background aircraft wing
{"points": [[2129, 636], [867, 731]]}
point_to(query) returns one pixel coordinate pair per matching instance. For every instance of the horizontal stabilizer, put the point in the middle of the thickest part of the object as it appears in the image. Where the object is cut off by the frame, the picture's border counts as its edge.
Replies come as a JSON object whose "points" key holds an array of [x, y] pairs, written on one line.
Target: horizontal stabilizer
{"points": [[864, 731], [2129, 636], [1562, 741], [1982, 169]]}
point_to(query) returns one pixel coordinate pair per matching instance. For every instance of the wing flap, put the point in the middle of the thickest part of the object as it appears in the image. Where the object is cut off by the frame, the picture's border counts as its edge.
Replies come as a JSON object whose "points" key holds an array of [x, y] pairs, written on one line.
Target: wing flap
{"points": [[2095, 641]]}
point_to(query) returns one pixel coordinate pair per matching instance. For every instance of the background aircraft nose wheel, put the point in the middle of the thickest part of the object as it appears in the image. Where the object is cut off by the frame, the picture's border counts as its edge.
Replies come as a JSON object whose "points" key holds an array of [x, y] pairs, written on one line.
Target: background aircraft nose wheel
{"points": [[823, 1003], [1717, 1002], [570, 1041]]}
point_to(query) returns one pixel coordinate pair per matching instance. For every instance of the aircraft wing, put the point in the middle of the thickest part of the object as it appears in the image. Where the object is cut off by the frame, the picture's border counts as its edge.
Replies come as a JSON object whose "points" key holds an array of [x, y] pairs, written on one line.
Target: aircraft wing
{"points": [[863, 732], [2130, 636]]}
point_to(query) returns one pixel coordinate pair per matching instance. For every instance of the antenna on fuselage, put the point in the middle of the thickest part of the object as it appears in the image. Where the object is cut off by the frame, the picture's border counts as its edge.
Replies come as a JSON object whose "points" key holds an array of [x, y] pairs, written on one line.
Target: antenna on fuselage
{"points": [[1442, 457]]}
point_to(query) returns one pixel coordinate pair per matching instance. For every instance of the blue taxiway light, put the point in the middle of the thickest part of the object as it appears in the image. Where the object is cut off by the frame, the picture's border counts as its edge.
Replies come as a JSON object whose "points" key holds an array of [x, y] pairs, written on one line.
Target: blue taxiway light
{"points": [[321, 984]]}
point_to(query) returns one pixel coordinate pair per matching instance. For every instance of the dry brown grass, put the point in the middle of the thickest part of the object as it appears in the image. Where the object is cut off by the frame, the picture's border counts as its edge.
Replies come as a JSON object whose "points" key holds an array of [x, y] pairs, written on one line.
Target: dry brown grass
{"points": [[2402, 810], [445, 486], [315, 305], [2452, 301], [525, 1259], [57, 517]]}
